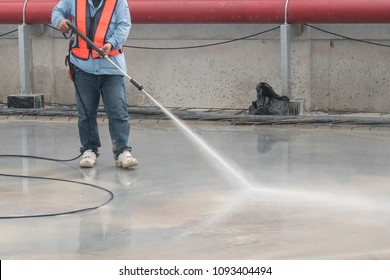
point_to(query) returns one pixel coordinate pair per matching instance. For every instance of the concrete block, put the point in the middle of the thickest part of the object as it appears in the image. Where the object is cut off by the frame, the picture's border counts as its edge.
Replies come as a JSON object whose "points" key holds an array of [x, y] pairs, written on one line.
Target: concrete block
{"points": [[26, 101]]}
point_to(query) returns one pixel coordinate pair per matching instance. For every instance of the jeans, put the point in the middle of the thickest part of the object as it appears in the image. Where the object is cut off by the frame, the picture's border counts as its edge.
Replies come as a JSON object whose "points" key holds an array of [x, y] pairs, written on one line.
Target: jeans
{"points": [[89, 88]]}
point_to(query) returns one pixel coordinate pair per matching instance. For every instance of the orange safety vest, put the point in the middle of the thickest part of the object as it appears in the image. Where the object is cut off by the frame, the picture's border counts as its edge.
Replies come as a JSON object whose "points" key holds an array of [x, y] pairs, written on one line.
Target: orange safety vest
{"points": [[81, 50]]}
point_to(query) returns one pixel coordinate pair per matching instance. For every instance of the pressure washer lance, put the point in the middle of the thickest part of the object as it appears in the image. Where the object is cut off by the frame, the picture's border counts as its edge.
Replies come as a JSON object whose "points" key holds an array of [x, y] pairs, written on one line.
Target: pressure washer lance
{"points": [[103, 54]]}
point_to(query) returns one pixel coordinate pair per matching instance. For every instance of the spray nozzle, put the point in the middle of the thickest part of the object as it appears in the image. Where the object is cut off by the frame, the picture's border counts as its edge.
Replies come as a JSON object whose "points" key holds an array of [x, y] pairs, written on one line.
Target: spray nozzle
{"points": [[136, 84]]}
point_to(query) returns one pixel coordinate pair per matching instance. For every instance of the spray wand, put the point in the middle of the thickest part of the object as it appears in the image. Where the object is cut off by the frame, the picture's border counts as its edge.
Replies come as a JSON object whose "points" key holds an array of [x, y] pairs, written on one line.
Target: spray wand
{"points": [[102, 54]]}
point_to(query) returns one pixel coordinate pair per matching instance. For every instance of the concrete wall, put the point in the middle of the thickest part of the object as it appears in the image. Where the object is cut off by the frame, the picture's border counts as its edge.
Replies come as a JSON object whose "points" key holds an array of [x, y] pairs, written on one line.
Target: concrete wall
{"points": [[329, 73]]}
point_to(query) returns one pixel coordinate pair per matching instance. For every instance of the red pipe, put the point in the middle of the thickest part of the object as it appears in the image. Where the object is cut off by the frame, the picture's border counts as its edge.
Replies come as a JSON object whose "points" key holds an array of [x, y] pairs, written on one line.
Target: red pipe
{"points": [[218, 11], [206, 11], [339, 11], [11, 12]]}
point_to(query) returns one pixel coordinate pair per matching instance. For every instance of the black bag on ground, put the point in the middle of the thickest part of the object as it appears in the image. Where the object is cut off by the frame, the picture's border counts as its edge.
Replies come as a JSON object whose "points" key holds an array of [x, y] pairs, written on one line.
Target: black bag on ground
{"points": [[268, 102]]}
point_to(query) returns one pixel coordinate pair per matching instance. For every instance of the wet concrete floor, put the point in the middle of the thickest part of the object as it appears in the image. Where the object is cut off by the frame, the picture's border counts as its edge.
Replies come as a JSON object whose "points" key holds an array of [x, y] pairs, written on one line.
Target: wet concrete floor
{"points": [[316, 192]]}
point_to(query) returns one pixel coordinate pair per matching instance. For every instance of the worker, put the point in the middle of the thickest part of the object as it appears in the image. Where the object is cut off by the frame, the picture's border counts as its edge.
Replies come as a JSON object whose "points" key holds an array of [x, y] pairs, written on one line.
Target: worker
{"points": [[107, 23]]}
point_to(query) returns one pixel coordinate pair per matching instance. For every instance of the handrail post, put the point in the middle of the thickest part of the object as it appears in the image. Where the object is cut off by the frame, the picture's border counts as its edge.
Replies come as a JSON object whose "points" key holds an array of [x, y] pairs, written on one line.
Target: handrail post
{"points": [[24, 59], [26, 98], [285, 47]]}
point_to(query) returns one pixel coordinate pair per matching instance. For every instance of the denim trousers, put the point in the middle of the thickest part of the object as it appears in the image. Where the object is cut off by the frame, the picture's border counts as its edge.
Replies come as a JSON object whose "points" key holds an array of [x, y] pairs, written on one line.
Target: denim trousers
{"points": [[111, 88]]}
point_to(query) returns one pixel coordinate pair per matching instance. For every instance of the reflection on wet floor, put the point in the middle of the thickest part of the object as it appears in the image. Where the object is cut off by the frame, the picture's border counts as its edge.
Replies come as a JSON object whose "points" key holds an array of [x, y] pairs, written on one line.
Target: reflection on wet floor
{"points": [[318, 192]]}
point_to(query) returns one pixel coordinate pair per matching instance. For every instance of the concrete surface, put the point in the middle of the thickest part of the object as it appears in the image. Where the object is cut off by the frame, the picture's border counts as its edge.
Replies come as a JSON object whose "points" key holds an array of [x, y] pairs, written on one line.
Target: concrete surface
{"points": [[315, 192]]}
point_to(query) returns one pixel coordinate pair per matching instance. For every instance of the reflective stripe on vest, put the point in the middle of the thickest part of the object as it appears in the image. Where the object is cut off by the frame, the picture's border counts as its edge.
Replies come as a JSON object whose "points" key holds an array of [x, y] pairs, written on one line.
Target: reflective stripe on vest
{"points": [[81, 50]]}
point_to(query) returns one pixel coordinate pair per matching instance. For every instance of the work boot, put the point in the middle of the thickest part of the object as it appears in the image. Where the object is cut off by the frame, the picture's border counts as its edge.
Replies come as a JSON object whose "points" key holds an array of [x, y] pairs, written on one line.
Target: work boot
{"points": [[125, 159], [88, 159]]}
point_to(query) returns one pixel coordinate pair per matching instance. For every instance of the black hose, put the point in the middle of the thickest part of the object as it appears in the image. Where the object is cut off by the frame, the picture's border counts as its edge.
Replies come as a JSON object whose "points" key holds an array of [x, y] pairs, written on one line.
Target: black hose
{"points": [[110, 194]]}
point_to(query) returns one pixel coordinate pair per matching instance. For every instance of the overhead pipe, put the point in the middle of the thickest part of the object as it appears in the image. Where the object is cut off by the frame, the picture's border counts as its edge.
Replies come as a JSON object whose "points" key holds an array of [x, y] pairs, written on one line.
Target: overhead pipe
{"points": [[206, 11], [11, 11], [339, 11], [220, 11]]}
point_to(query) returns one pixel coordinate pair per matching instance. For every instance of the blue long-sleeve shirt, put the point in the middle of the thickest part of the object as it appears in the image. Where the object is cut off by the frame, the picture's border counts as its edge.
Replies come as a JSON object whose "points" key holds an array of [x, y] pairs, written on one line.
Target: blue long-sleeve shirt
{"points": [[117, 33]]}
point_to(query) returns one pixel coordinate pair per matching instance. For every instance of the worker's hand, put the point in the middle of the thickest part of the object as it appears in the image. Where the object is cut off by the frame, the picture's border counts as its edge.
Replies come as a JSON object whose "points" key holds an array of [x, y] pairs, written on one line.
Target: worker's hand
{"points": [[107, 48], [62, 26]]}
